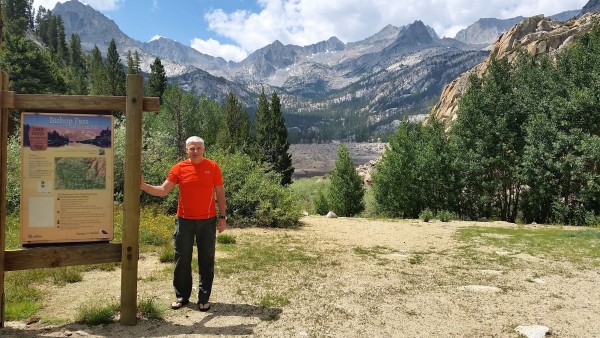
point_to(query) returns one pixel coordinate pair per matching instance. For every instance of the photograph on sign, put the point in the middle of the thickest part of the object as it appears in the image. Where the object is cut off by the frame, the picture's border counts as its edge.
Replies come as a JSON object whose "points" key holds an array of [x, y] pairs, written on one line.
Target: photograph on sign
{"points": [[67, 183]]}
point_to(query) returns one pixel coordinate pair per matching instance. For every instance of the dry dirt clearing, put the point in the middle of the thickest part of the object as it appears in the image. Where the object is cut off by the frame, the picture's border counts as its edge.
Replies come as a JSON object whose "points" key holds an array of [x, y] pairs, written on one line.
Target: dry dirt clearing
{"points": [[359, 278]]}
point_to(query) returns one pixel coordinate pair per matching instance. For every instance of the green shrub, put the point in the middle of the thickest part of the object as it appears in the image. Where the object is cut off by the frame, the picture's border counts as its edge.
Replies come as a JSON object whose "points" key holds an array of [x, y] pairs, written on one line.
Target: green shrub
{"points": [[156, 228], [445, 216], [370, 204], [591, 219], [426, 215], [321, 206], [254, 196], [307, 190]]}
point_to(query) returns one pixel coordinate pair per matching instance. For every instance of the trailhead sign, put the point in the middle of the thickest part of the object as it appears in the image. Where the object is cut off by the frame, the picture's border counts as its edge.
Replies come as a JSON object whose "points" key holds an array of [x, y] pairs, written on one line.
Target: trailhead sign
{"points": [[67, 178]]}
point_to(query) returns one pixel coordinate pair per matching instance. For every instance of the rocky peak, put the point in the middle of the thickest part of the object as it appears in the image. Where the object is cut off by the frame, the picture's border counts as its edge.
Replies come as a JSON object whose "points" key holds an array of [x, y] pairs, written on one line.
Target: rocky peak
{"points": [[485, 31], [332, 45], [416, 33], [174, 51], [90, 24], [591, 6], [536, 35], [410, 38], [266, 61]]}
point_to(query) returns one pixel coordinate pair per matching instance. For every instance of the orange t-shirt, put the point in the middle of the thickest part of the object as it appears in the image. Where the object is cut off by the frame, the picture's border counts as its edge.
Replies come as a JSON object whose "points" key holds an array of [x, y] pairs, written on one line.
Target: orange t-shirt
{"points": [[197, 184]]}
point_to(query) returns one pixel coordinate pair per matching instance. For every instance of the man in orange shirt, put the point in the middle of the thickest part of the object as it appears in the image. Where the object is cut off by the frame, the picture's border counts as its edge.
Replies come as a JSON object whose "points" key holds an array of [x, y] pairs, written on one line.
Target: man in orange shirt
{"points": [[199, 180]]}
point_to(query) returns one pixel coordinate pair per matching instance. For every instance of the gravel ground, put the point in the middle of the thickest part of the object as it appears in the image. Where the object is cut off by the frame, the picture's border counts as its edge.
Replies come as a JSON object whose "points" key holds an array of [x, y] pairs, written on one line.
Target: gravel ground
{"points": [[371, 278]]}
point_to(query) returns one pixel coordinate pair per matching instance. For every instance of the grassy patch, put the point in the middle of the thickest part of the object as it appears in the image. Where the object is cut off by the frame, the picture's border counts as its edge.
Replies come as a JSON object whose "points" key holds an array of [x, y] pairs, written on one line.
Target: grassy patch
{"points": [[274, 301], [97, 313], [23, 298], [225, 239], [372, 252], [13, 233], [149, 308], [166, 254], [67, 275], [259, 255], [580, 247], [375, 252], [416, 258]]}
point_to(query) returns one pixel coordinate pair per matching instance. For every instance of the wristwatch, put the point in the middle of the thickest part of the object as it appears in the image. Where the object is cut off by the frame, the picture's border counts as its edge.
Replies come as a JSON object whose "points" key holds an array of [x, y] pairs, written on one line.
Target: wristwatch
{"points": [[223, 217]]}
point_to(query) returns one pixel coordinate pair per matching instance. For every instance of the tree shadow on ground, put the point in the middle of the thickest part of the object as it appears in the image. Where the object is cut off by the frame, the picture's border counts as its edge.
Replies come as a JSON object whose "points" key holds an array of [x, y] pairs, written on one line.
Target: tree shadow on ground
{"points": [[221, 319]]}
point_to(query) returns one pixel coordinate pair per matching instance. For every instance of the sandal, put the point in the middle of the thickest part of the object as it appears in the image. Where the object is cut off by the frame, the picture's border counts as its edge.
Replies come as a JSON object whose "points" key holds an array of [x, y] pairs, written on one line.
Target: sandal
{"points": [[179, 303], [203, 307]]}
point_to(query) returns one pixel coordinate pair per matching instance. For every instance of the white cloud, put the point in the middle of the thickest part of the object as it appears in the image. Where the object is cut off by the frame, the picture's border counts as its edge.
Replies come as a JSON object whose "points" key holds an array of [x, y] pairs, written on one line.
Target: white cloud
{"points": [[215, 48], [304, 22]]}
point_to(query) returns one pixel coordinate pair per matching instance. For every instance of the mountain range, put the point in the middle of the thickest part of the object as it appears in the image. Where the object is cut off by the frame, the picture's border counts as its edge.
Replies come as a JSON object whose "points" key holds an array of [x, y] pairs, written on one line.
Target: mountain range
{"points": [[328, 90]]}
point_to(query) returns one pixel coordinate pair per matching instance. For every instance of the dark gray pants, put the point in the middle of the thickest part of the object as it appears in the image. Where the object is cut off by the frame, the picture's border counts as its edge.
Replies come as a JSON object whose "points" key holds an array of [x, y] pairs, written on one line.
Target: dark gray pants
{"points": [[204, 231]]}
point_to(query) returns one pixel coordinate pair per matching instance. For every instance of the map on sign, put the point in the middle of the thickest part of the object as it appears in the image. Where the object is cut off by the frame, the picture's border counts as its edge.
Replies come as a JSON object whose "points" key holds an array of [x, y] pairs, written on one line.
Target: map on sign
{"points": [[79, 173], [66, 178]]}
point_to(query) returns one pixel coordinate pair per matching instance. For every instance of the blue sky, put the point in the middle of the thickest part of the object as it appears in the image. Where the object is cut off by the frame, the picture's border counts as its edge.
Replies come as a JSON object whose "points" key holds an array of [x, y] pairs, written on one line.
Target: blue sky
{"points": [[232, 29]]}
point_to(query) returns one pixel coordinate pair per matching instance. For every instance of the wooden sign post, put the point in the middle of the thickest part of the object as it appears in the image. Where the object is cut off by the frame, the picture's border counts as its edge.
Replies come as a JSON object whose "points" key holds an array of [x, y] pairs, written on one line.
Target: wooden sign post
{"points": [[127, 252]]}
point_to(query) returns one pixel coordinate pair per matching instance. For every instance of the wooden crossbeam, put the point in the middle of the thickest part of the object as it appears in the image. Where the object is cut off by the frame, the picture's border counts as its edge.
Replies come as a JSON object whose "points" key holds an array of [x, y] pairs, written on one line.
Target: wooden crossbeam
{"points": [[59, 256], [43, 102]]}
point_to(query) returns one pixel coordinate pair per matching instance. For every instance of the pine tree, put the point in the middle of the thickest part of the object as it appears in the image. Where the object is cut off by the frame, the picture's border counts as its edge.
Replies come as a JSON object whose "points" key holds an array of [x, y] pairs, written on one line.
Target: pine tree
{"points": [[31, 70], [176, 119], [96, 73], [157, 82], [210, 117], [42, 24], [137, 62], [261, 128], [280, 158], [16, 17], [235, 134], [133, 62], [130, 66], [62, 51], [346, 193], [76, 75], [75, 52], [114, 72], [271, 137]]}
